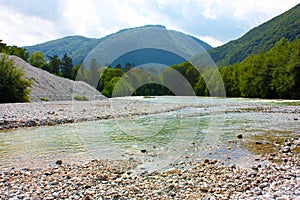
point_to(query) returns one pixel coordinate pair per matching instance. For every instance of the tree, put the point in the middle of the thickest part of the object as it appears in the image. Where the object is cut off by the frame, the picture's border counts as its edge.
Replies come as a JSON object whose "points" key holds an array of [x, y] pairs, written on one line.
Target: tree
{"points": [[93, 75], [13, 84], [54, 64], [37, 59], [67, 67]]}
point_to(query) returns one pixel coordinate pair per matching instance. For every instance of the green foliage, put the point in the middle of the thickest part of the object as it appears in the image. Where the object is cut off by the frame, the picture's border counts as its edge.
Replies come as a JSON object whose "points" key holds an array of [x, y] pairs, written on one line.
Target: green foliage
{"points": [[14, 50], [81, 98], [77, 47], [54, 63], [37, 59], [92, 74], [108, 79], [44, 99], [67, 67], [13, 85], [259, 39], [274, 74]]}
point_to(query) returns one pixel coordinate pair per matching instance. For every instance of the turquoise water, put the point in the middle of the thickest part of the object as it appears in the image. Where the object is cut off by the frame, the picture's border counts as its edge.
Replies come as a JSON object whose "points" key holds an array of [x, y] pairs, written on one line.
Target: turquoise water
{"points": [[157, 139]]}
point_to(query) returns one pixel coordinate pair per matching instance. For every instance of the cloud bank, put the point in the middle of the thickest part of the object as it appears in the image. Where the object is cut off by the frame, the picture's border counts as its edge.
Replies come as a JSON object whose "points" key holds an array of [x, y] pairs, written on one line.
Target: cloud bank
{"points": [[29, 22]]}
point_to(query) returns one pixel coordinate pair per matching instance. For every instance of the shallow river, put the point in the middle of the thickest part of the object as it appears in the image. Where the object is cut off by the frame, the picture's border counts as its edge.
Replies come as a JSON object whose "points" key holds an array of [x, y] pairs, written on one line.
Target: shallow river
{"points": [[208, 131]]}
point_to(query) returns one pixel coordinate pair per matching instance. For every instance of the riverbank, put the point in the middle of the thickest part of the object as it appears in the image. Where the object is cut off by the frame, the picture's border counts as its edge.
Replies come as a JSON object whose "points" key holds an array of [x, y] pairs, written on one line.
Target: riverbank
{"points": [[17, 115], [108, 179]]}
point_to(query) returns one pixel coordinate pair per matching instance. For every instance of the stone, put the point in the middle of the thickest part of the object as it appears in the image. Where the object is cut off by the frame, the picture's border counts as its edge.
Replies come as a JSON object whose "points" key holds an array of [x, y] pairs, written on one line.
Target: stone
{"points": [[239, 136], [173, 171], [58, 162]]}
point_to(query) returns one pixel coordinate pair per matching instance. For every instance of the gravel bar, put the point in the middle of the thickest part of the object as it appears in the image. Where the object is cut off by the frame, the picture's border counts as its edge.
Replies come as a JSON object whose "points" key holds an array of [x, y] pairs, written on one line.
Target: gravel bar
{"points": [[205, 179], [16, 115]]}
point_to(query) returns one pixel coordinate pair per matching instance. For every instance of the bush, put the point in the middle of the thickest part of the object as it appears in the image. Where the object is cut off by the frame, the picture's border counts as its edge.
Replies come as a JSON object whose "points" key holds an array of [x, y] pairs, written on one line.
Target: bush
{"points": [[81, 98], [44, 99], [13, 85]]}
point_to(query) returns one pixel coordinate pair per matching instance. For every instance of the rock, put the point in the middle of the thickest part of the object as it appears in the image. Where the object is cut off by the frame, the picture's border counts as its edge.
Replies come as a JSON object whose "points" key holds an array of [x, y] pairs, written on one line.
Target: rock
{"points": [[58, 162], [282, 198], [204, 187], [258, 142], [173, 171], [239, 136], [286, 149], [143, 150], [30, 123]]}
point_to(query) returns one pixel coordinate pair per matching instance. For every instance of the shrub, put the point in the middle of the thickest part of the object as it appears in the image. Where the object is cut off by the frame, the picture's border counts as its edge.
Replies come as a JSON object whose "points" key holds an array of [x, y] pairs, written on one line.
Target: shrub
{"points": [[13, 85], [44, 99], [81, 98]]}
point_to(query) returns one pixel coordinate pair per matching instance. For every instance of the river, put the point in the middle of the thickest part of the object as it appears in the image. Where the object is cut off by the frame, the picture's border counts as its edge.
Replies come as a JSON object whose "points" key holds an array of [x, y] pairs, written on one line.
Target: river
{"points": [[206, 131]]}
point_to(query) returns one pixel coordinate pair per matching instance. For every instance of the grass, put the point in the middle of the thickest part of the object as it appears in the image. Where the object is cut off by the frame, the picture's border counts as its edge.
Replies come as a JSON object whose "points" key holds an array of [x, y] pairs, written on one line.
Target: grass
{"points": [[44, 99], [291, 103], [81, 98]]}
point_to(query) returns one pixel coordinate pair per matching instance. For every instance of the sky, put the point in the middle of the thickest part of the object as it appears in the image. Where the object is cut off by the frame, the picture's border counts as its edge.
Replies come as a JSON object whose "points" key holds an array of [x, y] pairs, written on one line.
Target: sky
{"points": [[30, 22]]}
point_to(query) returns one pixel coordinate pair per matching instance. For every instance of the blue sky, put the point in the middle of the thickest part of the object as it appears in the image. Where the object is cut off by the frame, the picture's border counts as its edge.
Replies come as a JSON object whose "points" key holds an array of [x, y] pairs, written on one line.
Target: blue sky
{"points": [[29, 22]]}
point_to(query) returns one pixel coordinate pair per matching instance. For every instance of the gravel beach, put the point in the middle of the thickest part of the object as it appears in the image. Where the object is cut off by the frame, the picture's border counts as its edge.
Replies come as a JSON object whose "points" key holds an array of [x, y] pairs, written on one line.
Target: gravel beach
{"points": [[206, 179], [16, 115]]}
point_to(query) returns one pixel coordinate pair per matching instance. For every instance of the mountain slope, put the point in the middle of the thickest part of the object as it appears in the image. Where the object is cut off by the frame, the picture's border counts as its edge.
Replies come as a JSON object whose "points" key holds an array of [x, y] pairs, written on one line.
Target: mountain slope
{"points": [[78, 47], [53, 87], [259, 39], [151, 44]]}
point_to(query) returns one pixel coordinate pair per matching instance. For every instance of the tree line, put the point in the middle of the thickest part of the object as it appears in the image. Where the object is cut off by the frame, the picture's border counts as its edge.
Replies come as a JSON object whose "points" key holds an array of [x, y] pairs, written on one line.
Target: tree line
{"points": [[54, 64], [273, 74]]}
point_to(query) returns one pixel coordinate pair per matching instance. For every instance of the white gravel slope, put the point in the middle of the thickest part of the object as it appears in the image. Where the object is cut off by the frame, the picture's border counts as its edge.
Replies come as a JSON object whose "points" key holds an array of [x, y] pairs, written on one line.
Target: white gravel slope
{"points": [[53, 87]]}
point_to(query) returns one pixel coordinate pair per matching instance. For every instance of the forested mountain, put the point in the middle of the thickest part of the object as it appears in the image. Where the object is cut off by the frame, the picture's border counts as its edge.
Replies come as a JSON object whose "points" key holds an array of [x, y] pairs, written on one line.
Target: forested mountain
{"points": [[259, 39], [78, 47]]}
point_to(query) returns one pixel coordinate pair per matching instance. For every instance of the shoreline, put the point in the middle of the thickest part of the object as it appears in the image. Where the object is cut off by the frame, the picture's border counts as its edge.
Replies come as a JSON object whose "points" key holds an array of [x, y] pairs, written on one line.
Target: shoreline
{"points": [[18, 115], [35, 114], [108, 179]]}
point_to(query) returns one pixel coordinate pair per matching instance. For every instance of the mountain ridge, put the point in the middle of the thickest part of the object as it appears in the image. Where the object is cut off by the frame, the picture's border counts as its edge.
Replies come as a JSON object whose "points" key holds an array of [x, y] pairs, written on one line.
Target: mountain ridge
{"points": [[71, 44], [259, 39]]}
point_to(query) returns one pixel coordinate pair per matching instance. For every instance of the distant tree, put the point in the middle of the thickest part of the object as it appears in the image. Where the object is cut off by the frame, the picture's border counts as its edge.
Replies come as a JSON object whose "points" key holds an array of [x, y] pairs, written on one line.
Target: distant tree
{"points": [[128, 66], [119, 66], [3, 47], [54, 64], [13, 84], [47, 67], [37, 59], [80, 72], [93, 74], [67, 67]]}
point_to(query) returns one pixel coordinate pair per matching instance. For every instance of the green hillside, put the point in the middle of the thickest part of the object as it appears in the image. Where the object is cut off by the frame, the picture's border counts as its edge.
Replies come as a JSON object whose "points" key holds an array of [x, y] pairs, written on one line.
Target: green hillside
{"points": [[259, 39], [76, 47]]}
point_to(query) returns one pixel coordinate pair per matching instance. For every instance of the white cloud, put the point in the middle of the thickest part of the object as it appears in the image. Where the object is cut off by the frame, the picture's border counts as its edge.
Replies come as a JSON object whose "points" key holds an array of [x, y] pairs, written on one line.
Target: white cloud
{"points": [[210, 40], [20, 29], [93, 18]]}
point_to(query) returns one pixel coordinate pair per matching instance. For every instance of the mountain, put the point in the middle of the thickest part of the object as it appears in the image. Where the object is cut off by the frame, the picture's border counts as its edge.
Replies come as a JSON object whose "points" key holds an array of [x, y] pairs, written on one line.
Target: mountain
{"points": [[78, 47], [52, 87], [149, 45], [259, 39]]}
